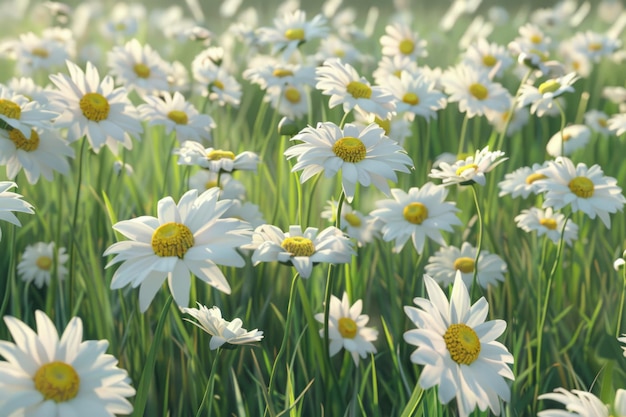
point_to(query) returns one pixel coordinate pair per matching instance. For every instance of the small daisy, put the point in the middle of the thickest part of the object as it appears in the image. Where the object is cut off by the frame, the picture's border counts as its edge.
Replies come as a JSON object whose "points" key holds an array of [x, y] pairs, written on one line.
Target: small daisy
{"points": [[334, 47], [547, 222], [37, 264], [581, 403], [45, 375], [186, 238], [542, 98], [291, 31], [491, 58], [594, 46], [574, 138], [416, 95], [289, 100], [445, 263], [193, 153], [513, 121], [358, 226], [399, 39], [35, 53], [177, 115], [397, 128], [230, 188], [301, 249], [363, 156], [95, 109], [246, 211], [139, 68], [344, 86], [521, 182], [271, 73], [418, 214], [219, 85], [458, 350], [469, 170], [617, 123], [346, 328], [18, 112], [221, 331], [585, 189], [615, 94], [598, 121], [10, 202], [532, 37], [393, 67]]}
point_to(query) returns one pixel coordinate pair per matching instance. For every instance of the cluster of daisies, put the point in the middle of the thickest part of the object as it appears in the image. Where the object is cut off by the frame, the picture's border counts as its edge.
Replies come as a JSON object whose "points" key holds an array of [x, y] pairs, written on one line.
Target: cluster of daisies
{"points": [[212, 225]]}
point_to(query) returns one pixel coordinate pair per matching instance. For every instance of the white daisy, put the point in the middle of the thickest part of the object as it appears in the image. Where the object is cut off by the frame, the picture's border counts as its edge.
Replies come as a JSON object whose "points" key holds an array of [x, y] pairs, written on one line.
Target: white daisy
{"points": [[95, 109], [513, 121], [36, 53], [584, 189], [193, 153], [598, 121], [396, 128], [418, 214], [333, 46], [469, 170], [289, 100], [38, 264], [267, 72], [292, 30], [542, 98], [358, 226], [615, 94], [346, 328], [301, 249], [10, 202], [458, 348], [364, 156], [593, 45], [583, 404], [399, 39], [617, 123], [138, 67], [44, 375], [521, 182], [491, 58], [574, 137], [246, 211], [218, 84], [18, 112], [393, 67], [416, 95], [547, 222], [230, 188], [222, 331], [188, 237]]}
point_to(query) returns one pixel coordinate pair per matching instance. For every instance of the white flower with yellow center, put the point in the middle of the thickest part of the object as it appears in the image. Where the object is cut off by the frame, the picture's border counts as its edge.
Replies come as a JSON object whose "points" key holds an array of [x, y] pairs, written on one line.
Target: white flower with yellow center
{"points": [[186, 238], [344, 86], [416, 96], [396, 128], [542, 98], [333, 46], [301, 249], [138, 67], [445, 263], [491, 58], [574, 137], [474, 91], [346, 328], [35, 53], [222, 331], [512, 121], [230, 188], [547, 222], [42, 153], [521, 182], [216, 160], [43, 375], [290, 31], [458, 348], [18, 112], [218, 84], [617, 123], [246, 211], [38, 264], [598, 121], [594, 46], [364, 156], [267, 72], [583, 404], [10, 202], [393, 67], [95, 109], [177, 115], [358, 226], [290, 100], [419, 214], [469, 170], [583, 189], [399, 39]]}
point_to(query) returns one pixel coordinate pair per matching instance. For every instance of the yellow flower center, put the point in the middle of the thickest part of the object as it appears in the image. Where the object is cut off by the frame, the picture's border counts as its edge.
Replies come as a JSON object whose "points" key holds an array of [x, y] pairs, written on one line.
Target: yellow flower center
{"points": [[415, 213], [298, 246], [548, 223], [397, 73], [218, 84], [142, 70], [339, 53], [94, 107], [411, 98], [44, 263], [347, 327], [489, 60], [595, 46], [294, 34], [463, 343], [281, 72], [352, 219], [406, 46], [602, 122], [566, 137], [292, 95], [460, 170], [172, 239], [22, 143], [359, 90], [10, 109], [40, 52], [178, 117], [549, 86], [536, 39], [534, 177], [581, 186], [464, 264], [384, 124], [506, 115], [217, 154], [479, 91], [350, 149], [120, 26], [57, 381]]}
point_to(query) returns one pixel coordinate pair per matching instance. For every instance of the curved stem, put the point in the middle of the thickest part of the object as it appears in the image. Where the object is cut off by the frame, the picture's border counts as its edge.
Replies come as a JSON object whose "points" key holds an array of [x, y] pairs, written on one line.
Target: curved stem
{"points": [[343, 119], [208, 392], [621, 304], [479, 244], [73, 238]]}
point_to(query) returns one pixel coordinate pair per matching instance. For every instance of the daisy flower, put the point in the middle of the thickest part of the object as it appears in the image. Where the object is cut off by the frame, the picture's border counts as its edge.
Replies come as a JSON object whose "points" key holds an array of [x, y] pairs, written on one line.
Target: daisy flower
{"points": [[542, 98], [230, 188], [344, 86], [445, 263], [474, 91], [216, 160], [585, 189], [458, 348], [513, 121], [138, 67], [583, 404], [218, 84], [418, 214], [177, 115], [95, 109], [289, 100], [47, 376], [365, 156], [188, 237], [267, 72], [246, 211], [346, 328], [292, 30], [301, 249], [38, 264], [221, 331], [393, 67], [399, 39], [597, 121], [416, 95], [574, 137], [396, 128], [521, 182], [617, 123], [35, 53], [358, 226], [547, 222], [10, 202], [491, 58], [469, 170], [18, 112], [334, 47], [594, 46]]}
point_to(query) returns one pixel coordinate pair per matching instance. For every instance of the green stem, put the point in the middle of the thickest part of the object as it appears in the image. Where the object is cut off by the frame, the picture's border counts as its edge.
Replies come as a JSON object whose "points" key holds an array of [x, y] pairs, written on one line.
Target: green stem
{"points": [[167, 164], [621, 303], [74, 232], [463, 134], [475, 285], [343, 119], [512, 110], [208, 392], [562, 111]]}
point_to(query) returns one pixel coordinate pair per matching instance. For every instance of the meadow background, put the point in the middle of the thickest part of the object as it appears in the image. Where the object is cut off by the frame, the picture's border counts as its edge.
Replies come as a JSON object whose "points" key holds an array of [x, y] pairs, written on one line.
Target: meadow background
{"points": [[579, 348]]}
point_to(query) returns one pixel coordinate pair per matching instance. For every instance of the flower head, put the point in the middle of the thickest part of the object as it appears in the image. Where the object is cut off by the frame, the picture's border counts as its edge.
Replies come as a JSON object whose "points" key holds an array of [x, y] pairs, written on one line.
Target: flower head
{"points": [[10, 202], [547, 222], [39, 263], [469, 170], [216, 160], [292, 30], [582, 403], [543, 98]]}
